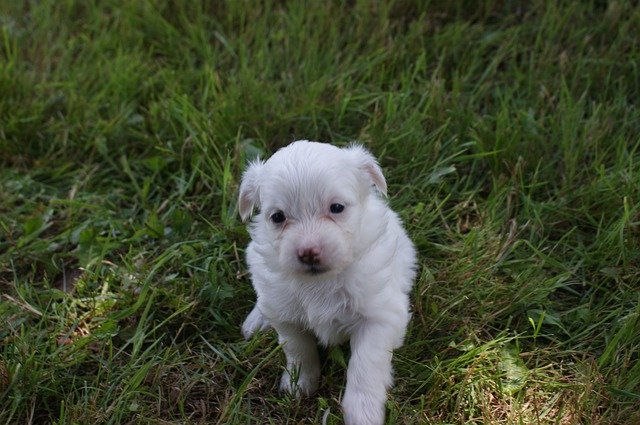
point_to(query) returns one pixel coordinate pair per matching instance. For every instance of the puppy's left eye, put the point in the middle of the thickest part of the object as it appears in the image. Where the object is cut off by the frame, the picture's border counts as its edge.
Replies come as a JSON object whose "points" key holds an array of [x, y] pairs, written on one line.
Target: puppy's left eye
{"points": [[336, 208], [278, 217]]}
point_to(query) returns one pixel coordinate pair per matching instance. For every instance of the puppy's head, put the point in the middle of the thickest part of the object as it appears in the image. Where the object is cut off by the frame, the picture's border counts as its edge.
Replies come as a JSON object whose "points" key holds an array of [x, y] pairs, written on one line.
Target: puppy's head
{"points": [[312, 198]]}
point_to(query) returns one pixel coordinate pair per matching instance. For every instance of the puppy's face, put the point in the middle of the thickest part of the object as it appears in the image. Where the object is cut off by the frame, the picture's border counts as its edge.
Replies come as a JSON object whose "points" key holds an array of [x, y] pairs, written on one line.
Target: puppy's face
{"points": [[311, 198]]}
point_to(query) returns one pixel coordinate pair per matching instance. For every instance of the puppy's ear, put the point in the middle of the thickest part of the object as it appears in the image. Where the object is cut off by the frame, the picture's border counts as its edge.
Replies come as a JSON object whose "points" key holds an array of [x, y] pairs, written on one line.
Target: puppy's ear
{"points": [[249, 189], [369, 166]]}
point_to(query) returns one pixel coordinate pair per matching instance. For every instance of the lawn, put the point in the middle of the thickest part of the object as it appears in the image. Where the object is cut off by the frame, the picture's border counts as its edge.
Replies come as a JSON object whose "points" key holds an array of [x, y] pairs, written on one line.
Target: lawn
{"points": [[509, 133]]}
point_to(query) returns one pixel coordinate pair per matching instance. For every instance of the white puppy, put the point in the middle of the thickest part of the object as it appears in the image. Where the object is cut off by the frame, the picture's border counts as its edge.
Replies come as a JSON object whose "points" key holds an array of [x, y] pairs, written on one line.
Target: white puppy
{"points": [[328, 260]]}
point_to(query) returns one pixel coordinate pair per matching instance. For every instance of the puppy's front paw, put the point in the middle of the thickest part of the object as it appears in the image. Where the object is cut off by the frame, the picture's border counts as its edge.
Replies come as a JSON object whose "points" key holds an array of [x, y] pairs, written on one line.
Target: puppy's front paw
{"points": [[254, 322], [305, 384], [360, 408]]}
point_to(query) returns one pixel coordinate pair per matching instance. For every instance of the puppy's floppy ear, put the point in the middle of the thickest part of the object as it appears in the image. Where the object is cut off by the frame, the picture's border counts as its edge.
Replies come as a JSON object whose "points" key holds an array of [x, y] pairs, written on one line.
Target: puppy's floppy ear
{"points": [[369, 166], [249, 189]]}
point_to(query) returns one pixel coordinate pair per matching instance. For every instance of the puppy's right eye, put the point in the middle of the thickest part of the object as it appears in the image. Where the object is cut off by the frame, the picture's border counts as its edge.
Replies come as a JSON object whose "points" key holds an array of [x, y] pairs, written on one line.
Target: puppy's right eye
{"points": [[336, 208], [278, 217]]}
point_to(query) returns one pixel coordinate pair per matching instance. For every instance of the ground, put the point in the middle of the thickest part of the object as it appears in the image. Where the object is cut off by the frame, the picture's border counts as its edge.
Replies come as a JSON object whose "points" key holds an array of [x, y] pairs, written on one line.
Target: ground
{"points": [[509, 136]]}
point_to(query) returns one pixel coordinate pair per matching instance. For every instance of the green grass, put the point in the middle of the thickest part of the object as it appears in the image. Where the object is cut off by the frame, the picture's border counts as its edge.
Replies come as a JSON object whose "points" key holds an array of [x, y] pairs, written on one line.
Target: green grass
{"points": [[509, 133]]}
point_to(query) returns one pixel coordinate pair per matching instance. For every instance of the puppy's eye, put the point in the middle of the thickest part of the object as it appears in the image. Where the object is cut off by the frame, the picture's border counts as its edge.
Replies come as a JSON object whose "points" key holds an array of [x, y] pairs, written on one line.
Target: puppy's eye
{"points": [[278, 217], [336, 208]]}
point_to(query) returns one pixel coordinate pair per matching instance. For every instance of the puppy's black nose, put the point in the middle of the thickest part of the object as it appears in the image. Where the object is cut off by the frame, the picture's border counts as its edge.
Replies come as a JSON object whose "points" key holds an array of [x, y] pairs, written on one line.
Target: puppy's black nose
{"points": [[309, 255]]}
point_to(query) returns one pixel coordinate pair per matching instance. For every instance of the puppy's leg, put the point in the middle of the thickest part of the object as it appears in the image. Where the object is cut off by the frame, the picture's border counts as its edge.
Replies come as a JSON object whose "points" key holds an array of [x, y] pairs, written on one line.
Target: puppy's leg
{"points": [[369, 374], [303, 362], [254, 322]]}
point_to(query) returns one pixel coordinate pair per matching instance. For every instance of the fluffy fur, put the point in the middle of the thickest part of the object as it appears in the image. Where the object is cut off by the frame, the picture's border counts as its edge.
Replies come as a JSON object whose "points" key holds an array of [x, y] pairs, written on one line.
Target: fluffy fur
{"points": [[330, 262]]}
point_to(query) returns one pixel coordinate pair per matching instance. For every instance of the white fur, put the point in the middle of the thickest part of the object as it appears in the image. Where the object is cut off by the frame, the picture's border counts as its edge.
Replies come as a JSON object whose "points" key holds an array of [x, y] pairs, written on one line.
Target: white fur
{"points": [[357, 287]]}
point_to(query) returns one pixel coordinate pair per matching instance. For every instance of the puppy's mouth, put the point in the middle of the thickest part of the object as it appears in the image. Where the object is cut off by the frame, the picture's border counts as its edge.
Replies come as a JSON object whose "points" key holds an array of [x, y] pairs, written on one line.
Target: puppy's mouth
{"points": [[316, 270]]}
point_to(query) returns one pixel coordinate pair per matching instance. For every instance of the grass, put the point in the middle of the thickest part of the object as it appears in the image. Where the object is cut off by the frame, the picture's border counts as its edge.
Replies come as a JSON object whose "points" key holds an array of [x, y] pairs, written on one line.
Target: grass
{"points": [[509, 135]]}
